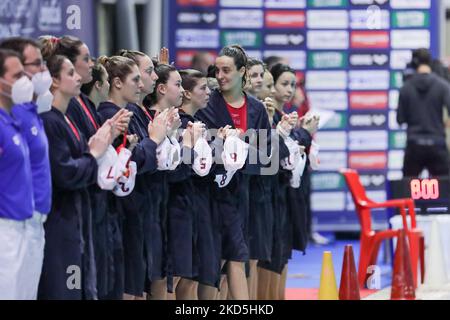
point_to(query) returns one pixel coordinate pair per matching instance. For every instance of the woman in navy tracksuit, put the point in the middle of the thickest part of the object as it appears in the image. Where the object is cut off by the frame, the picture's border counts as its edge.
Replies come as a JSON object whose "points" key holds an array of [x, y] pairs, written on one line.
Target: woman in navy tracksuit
{"points": [[68, 249], [231, 106], [126, 88]]}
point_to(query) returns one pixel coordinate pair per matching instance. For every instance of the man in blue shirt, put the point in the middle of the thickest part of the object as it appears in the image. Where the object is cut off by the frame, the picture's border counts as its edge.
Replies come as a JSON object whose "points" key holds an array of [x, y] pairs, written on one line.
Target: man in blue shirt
{"points": [[33, 131], [16, 191]]}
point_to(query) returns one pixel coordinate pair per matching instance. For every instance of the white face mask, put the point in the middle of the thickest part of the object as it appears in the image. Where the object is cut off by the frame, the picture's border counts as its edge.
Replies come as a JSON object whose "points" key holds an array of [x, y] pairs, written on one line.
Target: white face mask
{"points": [[42, 82], [44, 102], [21, 91]]}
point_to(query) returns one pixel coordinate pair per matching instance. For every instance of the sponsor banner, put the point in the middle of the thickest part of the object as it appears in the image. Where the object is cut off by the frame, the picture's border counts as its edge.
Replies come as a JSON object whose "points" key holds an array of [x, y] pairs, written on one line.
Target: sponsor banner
{"points": [[327, 60], [338, 121], [295, 4], [393, 124], [184, 58], [332, 161], [369, 40], [327, 19], [327, 181], [196, 18], [197, 3], [368, 140], [241, 19], [367, 160], [327, 3], [368, 79], [255, 54], [285, 19], [368, 100], [328, 201], [326, 80], [373, 59], [396, 159], [400, 58], [410, 19], [393, 99], [372, 180], [197, 38], [330, 100], [246, 39], [368, 2], [334, 40], [410, 39], [368, 120], [242, 4], [366, 19], [297, 59], [331, 140], [395, 175], [278, 39], [397, 140], [374, 195], [396, 79], [411, 4]]}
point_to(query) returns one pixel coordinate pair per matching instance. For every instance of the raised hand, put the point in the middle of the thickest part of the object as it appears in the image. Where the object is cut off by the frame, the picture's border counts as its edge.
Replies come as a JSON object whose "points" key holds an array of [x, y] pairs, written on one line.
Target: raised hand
{"points": [[100, 141], [157, 129]]}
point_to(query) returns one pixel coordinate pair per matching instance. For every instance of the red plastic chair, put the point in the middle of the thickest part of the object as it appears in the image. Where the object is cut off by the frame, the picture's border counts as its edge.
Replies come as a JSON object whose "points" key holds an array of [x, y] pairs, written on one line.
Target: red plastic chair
{"points": [[370, 239]]}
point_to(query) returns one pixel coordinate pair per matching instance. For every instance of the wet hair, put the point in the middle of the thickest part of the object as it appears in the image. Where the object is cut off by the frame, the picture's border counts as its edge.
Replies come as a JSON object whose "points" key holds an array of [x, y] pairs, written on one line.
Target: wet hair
{"points": [[54, 65], [271, 61], [421, 56], [163, 72], [67, 46], [4, 55], [131, 54], [211, 73], [278, 69], [254, 62], [117, 67], [239, 56], [18, 44], [190, 77], [97, 75]]}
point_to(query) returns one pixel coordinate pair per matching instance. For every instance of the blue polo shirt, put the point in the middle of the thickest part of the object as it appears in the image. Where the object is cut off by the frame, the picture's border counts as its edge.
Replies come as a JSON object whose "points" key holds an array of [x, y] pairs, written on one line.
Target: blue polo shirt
{"points": [[33, 131], [16, 189]]}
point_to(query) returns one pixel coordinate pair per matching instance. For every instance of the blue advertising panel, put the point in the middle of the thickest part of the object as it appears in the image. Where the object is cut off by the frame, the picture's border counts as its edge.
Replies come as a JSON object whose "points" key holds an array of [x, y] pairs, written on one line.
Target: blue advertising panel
{"points": [[351, 53], [33, 18]]}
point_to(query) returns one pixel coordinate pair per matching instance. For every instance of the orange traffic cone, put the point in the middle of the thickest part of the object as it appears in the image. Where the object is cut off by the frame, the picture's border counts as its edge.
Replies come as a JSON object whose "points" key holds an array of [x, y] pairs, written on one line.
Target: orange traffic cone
{"points": [[402, 278], [349, 287]]}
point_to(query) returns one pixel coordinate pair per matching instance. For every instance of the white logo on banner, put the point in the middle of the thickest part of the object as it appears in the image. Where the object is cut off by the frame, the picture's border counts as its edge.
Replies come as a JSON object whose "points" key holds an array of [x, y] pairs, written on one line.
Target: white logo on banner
{"points": [[297, 59], [395, 159], [330, 161], [368, 140], [368, 59], [410, 4], [327, 40], [366, 19], [368, 2], [331, 100], [328, 201], [284, 39], [241, 19], [197, 38], [285, 4], [367, 120], [400, 58], [393, 99], [331, 140], [410, 39], [243, 4], [327, 19], [369, 80], [192, 17], [326, 80]]}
